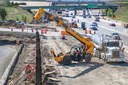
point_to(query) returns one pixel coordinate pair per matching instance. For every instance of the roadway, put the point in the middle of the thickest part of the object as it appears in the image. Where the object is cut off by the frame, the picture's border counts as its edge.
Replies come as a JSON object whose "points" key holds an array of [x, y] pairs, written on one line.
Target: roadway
{"points": [[106, 29], [103, 28]]}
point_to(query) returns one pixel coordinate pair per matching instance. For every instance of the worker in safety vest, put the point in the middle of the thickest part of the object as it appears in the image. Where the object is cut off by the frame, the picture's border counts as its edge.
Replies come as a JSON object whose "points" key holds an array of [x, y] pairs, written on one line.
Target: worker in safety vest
{"points": [[76, 53]]}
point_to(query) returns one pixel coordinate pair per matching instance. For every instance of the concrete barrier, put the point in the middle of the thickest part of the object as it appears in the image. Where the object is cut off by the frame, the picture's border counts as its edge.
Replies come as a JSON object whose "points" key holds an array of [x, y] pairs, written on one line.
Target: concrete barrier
{"points": [[11, 66]]}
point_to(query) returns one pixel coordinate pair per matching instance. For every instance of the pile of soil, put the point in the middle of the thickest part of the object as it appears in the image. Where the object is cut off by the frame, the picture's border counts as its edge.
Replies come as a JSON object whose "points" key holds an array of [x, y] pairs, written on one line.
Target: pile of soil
{"points": [[11, 23]]}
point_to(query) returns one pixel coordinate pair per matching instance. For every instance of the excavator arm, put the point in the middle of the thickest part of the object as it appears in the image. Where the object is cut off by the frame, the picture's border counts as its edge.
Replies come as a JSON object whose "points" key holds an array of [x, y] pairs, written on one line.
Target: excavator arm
{"points": [[89, 45], [39, 14]]}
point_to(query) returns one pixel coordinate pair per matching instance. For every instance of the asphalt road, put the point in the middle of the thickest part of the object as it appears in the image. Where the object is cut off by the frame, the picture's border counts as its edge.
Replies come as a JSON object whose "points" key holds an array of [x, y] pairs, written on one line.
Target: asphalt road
{"points": [[110, 29], [6, 54], [103, 28]]}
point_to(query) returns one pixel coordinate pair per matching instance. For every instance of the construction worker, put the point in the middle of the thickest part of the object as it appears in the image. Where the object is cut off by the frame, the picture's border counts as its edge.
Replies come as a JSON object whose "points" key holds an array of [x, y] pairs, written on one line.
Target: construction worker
{"points": [[77, 54], [63, 36]]}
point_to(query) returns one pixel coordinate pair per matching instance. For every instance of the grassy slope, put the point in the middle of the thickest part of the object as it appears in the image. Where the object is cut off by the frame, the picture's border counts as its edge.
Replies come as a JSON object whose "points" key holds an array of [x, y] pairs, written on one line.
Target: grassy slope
{"points": [[122, 14], [14, 13]]}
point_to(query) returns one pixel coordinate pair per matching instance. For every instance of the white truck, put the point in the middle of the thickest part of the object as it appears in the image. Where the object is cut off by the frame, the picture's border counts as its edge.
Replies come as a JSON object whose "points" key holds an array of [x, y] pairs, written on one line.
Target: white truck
{"points": [[108, 48]]}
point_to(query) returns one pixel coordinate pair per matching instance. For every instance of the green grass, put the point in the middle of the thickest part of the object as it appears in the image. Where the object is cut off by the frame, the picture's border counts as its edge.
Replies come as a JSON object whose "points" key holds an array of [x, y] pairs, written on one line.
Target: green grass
{"points": [[122, 14], [15, 12], [121, 3]]}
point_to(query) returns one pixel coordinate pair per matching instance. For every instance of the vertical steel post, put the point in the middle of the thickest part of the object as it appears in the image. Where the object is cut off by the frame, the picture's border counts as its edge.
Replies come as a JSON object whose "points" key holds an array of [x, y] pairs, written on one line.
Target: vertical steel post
{"points": [[38, 61]]}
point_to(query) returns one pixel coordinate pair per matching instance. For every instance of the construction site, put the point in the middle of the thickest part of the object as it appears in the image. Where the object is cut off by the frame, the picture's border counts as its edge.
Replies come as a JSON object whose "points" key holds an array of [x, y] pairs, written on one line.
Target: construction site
{"points": [[61, 49]]}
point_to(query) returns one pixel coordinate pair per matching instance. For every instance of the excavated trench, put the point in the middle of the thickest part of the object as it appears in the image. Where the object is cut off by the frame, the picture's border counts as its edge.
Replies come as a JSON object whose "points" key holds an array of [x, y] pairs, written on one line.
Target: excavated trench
{"points": [[21, 76]]}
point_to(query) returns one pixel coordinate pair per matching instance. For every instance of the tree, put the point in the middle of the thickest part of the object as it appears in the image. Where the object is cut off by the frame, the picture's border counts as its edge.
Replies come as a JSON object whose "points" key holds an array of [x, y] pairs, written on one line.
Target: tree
{"points": [[17, 19], [24, 19], [12, 4], [16, 4], [3, 13], [109, 12]]}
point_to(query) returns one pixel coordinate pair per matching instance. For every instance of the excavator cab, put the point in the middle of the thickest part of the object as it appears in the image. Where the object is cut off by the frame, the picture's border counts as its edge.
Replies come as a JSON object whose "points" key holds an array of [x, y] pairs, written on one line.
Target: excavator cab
{"points": [[75, 54]]}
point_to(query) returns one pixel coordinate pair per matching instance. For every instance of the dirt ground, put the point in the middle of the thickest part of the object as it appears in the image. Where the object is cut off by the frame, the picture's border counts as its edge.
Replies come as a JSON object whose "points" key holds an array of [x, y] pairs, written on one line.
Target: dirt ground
{"points": [[95, 73], [28, 57]]}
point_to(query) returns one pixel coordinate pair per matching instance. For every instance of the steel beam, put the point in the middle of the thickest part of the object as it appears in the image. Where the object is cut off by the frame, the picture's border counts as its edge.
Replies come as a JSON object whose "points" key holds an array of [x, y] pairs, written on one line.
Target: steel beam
{"points": [[68, 7], [38, 61]]}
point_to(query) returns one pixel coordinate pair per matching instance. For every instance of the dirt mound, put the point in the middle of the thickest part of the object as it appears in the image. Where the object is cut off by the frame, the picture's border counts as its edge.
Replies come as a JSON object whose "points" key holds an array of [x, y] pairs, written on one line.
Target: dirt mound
{"points": [[11, 23]]}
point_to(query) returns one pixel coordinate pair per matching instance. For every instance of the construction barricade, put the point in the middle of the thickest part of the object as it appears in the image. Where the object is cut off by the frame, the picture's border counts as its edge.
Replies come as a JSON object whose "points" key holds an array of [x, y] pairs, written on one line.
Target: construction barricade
{"points": [[22, 28]]}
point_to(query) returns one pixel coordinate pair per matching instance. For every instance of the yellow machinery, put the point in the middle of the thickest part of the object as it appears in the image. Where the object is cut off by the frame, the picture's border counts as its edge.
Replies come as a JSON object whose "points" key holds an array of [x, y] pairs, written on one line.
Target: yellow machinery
{"points": [[77, 53]]}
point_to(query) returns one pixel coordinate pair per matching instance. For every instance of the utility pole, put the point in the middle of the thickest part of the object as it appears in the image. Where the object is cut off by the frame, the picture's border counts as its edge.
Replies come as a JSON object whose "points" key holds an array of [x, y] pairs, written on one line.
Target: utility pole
{"points": [[38, 61]]}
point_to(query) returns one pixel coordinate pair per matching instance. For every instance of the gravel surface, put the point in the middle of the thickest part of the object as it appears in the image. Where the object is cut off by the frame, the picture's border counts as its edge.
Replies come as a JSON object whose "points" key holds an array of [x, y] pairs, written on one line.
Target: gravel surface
{"points": [[95, 73]]}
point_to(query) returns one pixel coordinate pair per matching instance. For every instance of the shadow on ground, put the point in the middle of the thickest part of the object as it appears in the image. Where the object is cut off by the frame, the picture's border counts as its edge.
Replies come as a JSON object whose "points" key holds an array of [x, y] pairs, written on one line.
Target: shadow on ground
{"points": [[119, 63], [7, 42], [91, 66]]}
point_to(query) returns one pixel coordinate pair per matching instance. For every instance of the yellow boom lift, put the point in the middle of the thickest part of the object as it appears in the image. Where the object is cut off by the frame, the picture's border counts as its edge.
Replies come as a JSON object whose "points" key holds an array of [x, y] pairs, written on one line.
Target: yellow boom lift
{"points": [[77, 53]]}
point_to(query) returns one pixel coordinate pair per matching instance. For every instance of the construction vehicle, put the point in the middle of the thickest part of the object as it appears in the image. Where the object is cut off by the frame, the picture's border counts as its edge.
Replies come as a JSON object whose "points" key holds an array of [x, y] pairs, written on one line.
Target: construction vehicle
{"points": [[108, 48], [84, 52]]}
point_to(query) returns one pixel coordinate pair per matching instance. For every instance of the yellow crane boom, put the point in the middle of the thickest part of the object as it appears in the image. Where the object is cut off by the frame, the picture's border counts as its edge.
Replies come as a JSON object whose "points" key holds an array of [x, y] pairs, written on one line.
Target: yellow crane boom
{"points": [[89, 46]]}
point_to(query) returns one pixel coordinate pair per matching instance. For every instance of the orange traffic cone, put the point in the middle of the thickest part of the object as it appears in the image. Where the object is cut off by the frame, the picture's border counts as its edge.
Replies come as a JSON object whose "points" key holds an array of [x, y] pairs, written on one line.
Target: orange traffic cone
{"points": [[42, 31], [22, 28]]}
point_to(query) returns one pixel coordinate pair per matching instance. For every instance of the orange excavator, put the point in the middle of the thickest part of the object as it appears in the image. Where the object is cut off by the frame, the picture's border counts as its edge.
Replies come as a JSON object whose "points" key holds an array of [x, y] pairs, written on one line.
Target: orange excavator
{"points": [[78, 52]]}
